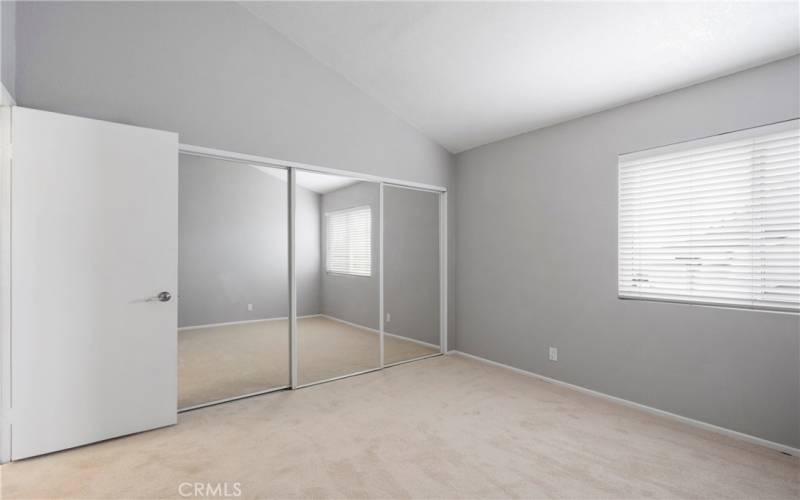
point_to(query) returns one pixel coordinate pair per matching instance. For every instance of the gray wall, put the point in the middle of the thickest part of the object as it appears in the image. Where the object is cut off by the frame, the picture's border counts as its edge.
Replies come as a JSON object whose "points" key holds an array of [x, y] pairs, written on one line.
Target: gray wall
{"points": [[537, 266], [221, 78], [8, 50], [411, 263], [233, 244], [353, 298]]}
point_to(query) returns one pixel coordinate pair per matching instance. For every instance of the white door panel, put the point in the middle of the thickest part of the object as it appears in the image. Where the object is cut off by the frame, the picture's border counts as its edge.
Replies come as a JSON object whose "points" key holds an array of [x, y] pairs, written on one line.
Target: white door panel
{"points": [[94, 234]]}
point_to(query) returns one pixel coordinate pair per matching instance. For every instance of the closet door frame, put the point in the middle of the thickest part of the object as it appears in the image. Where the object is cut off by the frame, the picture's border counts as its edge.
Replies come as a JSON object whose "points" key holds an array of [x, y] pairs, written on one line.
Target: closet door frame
{"points": [[292, 167]]}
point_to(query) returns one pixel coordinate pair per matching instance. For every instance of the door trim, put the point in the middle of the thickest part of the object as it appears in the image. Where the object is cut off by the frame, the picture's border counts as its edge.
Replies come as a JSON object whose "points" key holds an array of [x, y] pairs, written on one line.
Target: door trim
{"points": [[5, 283]]}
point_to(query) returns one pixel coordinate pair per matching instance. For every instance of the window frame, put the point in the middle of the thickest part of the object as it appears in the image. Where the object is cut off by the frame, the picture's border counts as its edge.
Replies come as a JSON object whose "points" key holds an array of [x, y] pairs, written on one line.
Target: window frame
{"points": [[689, 145], [327, 238]]}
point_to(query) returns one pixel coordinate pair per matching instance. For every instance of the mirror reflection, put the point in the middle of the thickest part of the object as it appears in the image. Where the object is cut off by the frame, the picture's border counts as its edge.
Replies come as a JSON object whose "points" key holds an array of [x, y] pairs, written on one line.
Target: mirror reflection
{"points": [[337, 272], [411, 274], [233, 301]]}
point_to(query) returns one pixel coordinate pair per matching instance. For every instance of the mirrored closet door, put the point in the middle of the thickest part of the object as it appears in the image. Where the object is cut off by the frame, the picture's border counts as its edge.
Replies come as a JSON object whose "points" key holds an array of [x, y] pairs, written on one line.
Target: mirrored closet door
{"points": [[233, 299], [337, 238], [411, 286]]}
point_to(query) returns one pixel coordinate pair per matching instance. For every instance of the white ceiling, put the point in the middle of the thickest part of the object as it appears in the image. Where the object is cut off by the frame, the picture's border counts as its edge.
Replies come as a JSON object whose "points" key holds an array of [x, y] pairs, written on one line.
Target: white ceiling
{"points": [[319, 183], [470, 73]]}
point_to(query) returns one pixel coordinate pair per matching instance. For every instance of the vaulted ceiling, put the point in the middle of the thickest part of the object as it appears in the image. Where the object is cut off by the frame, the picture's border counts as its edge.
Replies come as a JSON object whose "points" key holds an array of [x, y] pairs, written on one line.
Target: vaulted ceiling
{"points": [[470, 73]]}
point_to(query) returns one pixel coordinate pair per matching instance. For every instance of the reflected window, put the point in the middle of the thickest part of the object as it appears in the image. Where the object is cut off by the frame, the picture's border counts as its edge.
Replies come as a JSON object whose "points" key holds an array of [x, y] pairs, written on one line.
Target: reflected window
{"points": [[348, 235]]}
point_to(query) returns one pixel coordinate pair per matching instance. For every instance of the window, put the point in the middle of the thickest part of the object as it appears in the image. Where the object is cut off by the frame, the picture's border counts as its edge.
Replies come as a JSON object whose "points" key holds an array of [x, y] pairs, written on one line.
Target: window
{"points": [[714, 221], [348, 235]]}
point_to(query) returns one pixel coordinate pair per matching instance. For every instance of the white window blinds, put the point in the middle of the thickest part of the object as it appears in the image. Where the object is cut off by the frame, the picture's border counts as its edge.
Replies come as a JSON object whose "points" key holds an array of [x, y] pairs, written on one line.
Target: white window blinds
{"points": [[714, 221], [348, 236]]}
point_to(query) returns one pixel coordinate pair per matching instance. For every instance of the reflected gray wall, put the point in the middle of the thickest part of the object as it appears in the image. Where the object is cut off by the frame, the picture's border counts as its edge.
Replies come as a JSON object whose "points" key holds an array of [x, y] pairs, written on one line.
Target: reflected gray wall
{"points": [[411, 263], [233, 251], [353, 298], [308, 267], [537, 265], [221, 78], [233, 244], [8, 45]]}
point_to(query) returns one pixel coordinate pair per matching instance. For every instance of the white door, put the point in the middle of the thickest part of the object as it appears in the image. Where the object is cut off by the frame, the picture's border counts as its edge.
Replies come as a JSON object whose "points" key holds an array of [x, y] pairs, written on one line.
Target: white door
{"points": [[94, 236]]}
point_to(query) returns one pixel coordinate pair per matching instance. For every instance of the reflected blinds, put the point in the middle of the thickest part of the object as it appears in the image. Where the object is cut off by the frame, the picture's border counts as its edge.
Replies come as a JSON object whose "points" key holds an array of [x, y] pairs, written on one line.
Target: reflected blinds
{"points": [[349, 241], [714, 221]]}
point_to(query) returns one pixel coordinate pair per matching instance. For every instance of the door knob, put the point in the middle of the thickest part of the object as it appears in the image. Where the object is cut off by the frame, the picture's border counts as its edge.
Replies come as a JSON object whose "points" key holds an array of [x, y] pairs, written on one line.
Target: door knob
{"points": [[161, 297]]}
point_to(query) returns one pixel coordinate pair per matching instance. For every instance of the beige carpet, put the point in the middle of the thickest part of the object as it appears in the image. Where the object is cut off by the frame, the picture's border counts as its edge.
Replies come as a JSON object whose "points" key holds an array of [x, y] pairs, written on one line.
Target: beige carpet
{"points": [[232, 360], [445, 427]]}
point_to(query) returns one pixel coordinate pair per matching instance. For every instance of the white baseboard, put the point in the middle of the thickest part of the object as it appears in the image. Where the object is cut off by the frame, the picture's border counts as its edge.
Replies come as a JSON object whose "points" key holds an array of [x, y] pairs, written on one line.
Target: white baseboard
{"points": [[649, 409], [434, 346], [332, 318], [243, 322], [355, 325], [409, 339]]}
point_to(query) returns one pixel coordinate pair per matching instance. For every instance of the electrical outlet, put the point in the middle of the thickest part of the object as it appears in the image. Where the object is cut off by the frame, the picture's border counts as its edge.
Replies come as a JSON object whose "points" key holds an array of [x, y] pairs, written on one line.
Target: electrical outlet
{"points": [[554, 354], [388, 317], [249, 307]]}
